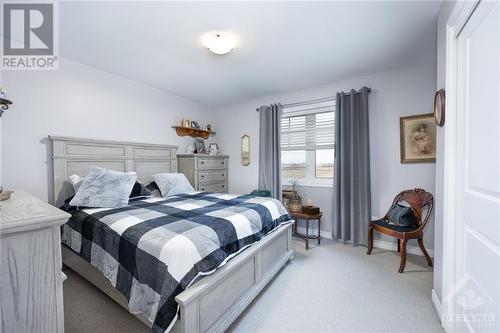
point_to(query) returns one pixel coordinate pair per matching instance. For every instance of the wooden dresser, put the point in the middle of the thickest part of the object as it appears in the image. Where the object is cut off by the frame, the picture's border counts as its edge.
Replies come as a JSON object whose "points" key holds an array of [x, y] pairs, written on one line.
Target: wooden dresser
{"points": [[31, 298], [205, 172]]}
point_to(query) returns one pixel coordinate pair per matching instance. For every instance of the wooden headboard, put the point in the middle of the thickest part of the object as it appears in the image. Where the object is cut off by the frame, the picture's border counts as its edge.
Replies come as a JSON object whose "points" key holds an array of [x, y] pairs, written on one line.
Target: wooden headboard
{"points": [[76, 156]]}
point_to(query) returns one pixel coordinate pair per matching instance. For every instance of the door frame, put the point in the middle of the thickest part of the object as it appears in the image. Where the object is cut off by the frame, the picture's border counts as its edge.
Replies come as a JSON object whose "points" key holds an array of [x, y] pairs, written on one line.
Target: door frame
{"points": [[451, 222]]}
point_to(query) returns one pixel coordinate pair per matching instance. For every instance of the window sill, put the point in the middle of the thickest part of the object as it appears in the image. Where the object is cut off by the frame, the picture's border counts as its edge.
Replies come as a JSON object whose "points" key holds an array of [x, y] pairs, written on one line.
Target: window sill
{"points": [[310, 184]]}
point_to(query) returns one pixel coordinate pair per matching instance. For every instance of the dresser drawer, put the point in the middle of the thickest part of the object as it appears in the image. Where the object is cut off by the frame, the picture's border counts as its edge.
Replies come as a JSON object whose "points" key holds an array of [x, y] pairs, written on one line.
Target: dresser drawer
{"points": [[212, 175], [207, 163], [216, 187]]}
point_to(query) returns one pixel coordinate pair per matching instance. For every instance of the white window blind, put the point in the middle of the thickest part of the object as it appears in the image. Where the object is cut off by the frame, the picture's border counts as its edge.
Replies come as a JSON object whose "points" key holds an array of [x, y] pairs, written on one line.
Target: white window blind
{"points": [[308, 127]]}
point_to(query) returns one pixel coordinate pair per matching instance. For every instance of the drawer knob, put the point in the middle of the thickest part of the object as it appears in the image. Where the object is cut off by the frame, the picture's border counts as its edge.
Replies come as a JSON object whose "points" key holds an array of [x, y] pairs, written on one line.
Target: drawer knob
{"points": [[202, 162], [222, 174], [203, 189], [223, 185], [202, 176], [222, 162]]}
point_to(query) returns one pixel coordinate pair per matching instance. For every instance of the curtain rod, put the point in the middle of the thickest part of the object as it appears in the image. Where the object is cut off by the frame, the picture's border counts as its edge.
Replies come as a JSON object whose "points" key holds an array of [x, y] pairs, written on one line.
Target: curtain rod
{"points": [[319, 100]]}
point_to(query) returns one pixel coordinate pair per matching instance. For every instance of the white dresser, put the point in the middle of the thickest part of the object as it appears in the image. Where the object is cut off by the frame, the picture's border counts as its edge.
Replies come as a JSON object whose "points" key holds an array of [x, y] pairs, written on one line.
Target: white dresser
{"points": [[31, 298], [207, 173]]}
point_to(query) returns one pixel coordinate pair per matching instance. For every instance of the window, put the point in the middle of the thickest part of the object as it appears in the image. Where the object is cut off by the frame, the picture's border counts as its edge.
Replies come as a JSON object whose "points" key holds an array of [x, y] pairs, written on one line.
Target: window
{"points": [[307, 142]]}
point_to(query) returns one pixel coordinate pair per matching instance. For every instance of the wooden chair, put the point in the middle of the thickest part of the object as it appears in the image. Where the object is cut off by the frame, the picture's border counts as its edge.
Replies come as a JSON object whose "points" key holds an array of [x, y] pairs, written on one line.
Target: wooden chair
{"points": [[419, 200]]}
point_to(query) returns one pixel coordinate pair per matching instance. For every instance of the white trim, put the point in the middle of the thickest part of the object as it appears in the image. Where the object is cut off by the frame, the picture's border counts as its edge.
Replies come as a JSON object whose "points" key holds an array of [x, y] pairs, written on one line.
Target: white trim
{"points": [[385, 245], [437, 305], [314, 232], [310, 182], [458, 18], [380, 244]]}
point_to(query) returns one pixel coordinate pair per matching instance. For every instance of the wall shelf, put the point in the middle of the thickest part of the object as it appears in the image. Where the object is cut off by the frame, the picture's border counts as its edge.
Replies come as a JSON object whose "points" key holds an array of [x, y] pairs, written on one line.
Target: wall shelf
{"points": [[192, 132]]}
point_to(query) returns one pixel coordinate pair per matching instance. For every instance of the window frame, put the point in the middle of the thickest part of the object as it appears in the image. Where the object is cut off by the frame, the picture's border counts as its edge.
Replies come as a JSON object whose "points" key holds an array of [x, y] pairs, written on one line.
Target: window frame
{"points": [[310, 179]]}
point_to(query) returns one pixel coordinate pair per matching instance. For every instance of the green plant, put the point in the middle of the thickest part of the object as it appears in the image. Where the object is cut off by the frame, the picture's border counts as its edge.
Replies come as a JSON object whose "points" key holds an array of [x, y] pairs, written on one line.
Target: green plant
{"points": [[294, 183]]}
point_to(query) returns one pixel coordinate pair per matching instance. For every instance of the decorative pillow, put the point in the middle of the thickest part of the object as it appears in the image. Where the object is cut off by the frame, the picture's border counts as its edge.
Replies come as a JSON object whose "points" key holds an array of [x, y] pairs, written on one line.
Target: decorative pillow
{"points": [[155, 190], [139, 190], [76, 181], [172, 184], [103, 188]]}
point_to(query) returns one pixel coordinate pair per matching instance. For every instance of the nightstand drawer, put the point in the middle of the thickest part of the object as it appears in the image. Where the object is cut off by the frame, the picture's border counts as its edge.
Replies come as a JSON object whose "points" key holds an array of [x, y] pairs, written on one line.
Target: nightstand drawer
{"points": [[206, 163], [216, 187], [212, 175]]}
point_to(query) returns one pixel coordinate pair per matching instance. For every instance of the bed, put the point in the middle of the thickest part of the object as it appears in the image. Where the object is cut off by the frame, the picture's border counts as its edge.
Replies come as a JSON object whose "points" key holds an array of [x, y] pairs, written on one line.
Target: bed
{"points": [[212, 302]]}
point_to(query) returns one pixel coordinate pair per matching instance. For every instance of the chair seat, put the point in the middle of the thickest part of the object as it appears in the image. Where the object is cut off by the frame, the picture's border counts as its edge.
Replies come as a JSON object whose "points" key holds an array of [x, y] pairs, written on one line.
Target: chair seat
{"points": [[397, 228]]}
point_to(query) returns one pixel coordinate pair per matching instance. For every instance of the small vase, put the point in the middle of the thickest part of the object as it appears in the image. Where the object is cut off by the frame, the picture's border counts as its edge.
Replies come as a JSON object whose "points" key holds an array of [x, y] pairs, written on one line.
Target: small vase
{"points": [[295, 204]]}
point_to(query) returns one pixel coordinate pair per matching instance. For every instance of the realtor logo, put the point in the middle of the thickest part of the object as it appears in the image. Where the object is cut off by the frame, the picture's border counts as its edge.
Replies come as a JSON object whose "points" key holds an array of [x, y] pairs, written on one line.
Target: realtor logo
{"points": [[29, 36], [473, 305]]}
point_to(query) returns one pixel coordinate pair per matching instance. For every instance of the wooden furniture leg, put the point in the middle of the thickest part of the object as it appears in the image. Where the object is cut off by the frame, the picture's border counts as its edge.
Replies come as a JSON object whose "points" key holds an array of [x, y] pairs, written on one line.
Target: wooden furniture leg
{"points": [[403, 256], [319, 231], [427, 256], [307, 218], [307, 234], [370, 240], [399, 244]]}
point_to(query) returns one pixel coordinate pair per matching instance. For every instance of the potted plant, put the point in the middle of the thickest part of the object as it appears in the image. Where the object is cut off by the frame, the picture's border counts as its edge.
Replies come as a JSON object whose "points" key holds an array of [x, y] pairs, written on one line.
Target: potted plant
{"points": [[295, 201]]}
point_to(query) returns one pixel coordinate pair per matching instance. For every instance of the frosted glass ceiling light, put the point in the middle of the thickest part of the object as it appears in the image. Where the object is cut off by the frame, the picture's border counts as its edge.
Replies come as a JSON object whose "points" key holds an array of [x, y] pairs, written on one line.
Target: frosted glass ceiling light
{"points": [[219, 42]]}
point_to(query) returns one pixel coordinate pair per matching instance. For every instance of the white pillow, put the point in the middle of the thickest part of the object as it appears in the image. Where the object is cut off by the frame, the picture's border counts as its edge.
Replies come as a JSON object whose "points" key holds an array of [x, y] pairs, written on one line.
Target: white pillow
{"points": [[172, 184], [76, 181], [103, 188]]}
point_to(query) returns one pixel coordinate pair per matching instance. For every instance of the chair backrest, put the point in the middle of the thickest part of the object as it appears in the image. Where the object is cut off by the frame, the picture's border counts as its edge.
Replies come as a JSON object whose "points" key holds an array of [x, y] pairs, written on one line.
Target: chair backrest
{"points": [[418, 199]]}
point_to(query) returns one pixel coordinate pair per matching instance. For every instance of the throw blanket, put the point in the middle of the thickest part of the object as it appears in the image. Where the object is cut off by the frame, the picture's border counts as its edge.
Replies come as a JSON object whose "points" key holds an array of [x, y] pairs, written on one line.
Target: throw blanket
{"points": [[153, 249]]}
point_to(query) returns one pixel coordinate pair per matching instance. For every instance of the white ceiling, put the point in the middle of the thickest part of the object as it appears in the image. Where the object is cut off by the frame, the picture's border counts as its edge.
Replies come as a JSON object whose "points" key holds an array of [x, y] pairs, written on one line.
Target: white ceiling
{"points": [[284, 45]]}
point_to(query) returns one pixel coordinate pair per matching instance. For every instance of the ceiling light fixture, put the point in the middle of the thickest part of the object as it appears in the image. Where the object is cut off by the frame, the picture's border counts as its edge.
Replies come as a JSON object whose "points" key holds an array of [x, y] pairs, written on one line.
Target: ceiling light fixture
{"points": [[219, 42]]}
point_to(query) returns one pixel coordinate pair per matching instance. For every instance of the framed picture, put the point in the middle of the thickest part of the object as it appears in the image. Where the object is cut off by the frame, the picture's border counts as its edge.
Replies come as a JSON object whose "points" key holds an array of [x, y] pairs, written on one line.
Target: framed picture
{"points": [[418, 138], [213, 148], [200, 147], [186, 123]]}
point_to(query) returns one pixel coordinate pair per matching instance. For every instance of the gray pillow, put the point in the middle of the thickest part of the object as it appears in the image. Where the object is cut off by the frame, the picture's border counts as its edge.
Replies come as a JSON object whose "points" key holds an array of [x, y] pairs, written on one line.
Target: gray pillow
{"points": [[103, 188], [76, 181], [172, 184]]}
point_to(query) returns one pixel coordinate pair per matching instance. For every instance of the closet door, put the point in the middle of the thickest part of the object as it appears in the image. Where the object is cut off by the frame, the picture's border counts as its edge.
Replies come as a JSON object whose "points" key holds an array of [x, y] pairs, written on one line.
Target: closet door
{"points": [[477, 294]]}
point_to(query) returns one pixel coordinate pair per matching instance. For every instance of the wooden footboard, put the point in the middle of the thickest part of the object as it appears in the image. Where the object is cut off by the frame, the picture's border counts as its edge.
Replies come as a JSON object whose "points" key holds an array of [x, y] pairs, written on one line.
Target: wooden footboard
{"points": [[215, 301]]}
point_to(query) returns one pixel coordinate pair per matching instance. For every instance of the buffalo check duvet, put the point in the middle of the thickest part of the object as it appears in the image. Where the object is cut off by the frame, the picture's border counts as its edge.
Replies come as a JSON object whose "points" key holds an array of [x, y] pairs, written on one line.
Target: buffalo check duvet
{"points": [[154, 248]]}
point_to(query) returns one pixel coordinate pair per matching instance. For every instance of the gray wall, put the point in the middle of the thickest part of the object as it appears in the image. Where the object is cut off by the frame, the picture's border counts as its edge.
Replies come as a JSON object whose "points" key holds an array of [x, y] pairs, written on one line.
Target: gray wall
{"points": [[444, 14], [396, 93], [81, 101]]}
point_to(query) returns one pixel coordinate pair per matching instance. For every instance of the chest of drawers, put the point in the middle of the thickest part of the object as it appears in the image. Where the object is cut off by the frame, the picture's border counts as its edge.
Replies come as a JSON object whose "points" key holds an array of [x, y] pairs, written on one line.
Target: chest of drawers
{"points": [[30, 249], [207, 173]]}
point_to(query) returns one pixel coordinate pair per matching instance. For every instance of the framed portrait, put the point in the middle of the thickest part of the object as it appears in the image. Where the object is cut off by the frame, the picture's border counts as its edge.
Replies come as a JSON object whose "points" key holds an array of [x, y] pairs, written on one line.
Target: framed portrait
{"points": [[200, 147], [418, 138]]}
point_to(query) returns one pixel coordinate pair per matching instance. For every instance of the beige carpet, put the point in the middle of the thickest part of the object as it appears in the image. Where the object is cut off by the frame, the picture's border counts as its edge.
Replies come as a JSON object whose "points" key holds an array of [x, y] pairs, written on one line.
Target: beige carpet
{"points": [[330, 288]]}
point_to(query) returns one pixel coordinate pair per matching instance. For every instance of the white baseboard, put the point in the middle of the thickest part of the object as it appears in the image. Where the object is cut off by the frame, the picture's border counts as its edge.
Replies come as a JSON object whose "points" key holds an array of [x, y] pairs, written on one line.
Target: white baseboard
{"points": [[380, 244], [394, 247], [314, 232], [437, 305]]}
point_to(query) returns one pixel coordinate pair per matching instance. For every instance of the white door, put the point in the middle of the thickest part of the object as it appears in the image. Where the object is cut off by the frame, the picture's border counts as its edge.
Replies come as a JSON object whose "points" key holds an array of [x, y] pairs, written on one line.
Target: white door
{"points": [[477, 294]]}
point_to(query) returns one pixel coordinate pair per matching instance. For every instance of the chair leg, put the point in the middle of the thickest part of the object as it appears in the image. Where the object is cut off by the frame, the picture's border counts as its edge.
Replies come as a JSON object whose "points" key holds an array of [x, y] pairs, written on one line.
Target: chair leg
{"points": [[403, 256], [370, 240], [399, 244], [427, 256]]}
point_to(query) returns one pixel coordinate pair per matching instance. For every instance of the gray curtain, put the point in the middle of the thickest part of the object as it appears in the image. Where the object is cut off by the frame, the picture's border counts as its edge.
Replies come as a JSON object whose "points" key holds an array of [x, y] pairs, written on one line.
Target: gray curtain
{"points": [[351, 198], [270, 149]]}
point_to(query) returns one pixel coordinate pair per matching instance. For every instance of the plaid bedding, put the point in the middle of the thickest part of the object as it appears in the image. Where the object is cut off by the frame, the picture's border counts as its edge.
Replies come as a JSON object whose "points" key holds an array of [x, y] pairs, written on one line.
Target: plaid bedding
{"points": [[152, 249]]}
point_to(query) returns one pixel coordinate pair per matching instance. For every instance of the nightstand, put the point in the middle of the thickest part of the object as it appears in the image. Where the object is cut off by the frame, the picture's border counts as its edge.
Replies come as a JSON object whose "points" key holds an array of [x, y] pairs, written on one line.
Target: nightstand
{"points": [[307, 217]]}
